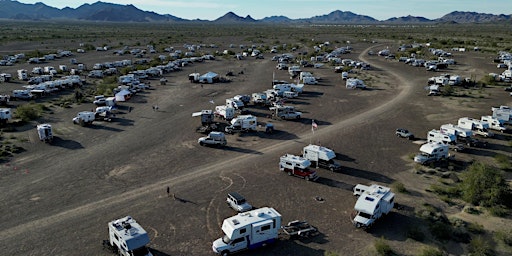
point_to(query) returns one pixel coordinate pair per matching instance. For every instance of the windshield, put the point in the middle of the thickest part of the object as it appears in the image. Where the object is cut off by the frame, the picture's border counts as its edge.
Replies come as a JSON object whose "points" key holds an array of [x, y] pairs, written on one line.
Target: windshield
{"points": [[365, 215], [226, 239]]}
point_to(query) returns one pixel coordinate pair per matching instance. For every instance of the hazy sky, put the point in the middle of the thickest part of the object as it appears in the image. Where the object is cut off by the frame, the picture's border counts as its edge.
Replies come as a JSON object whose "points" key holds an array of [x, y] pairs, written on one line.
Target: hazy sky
{"points": [[258, 9]]}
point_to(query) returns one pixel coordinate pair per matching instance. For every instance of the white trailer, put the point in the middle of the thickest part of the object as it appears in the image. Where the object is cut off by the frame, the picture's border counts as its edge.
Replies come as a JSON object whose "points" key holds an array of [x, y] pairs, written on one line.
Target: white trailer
{"points": [[373, 203], [127, 238], [477, 126], [260, 98], [248, 230], [22, 74], [213, 138], [456, 130], [321, 157], [432, 152], [309, 80], [281, 88], [225, 112], [440, 136], [494, 123], [234, 103], [45, 132], [84, 118], [352, 83], [5, 115], [504, 115], [242, 123]]}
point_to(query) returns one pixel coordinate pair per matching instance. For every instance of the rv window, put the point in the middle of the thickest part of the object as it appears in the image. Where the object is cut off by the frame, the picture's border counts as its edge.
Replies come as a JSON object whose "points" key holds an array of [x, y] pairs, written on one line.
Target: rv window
{"points": [[115, 236], [391, 201], [264, 228], [243, 230], [238, 240], [274, 222]]}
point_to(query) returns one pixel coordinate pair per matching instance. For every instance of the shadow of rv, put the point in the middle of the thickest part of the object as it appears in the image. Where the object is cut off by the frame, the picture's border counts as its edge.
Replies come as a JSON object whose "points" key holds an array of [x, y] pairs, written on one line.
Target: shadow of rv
{"points": [[123, 121], [366, 175], [499, 147], [157, 252], [308, 94], [481, 152], [344, 158], [278, 135], [69, 144], [334, 183], [103, 127], [286, 247], [241, 150]]}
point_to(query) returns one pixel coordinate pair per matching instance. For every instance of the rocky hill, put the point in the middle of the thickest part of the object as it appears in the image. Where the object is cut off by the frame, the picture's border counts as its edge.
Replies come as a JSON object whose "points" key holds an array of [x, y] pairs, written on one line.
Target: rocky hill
{"points": [[100, 11]]}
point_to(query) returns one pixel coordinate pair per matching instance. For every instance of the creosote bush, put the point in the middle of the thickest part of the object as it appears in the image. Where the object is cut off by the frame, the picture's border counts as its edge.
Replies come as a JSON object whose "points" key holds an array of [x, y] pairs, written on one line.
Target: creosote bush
{"points": [[29, 112]]}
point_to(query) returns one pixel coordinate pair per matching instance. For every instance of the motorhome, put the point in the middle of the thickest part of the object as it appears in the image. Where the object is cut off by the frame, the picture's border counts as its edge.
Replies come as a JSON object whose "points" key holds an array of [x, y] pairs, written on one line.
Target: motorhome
{"points": [[440, 136], [45, 132], [321, 157], [494, 123], [234, 103], [242, 123], [373, 203], [352, 83], [248, 230], [477, 126], [127, 237], [259, 98], [432, 152]]}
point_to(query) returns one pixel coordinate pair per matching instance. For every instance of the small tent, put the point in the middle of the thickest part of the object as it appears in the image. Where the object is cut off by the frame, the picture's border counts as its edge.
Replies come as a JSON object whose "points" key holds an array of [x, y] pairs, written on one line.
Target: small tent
{"points": [[209, 78]]}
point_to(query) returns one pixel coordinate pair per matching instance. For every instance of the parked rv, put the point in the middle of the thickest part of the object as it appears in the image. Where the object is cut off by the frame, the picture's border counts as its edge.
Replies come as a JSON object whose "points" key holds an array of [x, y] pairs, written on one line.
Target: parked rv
{"points": [[321, 157], [5, 115], [439, 136], [477, 126], [84, 118], [297, 166], [127, 238], [248, 230], [494, 123], [225, 112], [214, 139], [45, 132], [373, 203], [242, 123], [432, 152]]}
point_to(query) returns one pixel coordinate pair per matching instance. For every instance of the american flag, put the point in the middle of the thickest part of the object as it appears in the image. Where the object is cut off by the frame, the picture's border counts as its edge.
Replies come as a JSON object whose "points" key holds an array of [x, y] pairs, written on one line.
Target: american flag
{"points": [[313, 125]]}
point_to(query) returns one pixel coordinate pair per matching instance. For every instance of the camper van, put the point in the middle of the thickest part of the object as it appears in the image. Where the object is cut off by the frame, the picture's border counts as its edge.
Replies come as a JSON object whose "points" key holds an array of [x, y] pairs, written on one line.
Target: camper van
{"points": [[494, 123], [431, 152], [477, 126], [440, 136]]}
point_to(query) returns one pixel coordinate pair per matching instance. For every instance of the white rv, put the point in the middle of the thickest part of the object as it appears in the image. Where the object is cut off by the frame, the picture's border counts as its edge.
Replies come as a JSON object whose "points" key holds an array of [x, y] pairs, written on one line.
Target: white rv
{"points": [[22, 74], [127, 237], [321, 157], [84, 118], [431, 152], [440, 136], [297, 166], [259, 98], [374, 202], [309, 80], [45, 132], [22, 94], [242, 123], [477, 126], [248, 230], [456, 130], [352, 83], [5, 115], [213, 138], [234, 103], [494, 123], [281, 88], [225, 112]]}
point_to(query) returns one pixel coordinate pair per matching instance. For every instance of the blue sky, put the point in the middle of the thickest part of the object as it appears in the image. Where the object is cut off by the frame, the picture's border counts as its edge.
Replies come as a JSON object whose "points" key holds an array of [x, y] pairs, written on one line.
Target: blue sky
{"points": [[258, 9]]}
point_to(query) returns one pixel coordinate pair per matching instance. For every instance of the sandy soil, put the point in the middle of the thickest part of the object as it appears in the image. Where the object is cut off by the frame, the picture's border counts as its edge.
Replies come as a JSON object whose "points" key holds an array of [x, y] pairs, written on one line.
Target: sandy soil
{"points": [[57, 199]]}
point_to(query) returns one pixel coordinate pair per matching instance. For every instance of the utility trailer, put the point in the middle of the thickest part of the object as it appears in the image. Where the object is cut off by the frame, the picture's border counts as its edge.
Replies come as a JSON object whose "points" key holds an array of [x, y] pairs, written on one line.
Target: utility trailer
{"points": [[299, 228]]}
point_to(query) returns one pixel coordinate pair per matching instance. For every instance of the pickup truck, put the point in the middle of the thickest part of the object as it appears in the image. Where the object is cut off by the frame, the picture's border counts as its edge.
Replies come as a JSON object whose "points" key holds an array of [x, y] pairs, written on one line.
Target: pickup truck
{"points": [[213, 138]]}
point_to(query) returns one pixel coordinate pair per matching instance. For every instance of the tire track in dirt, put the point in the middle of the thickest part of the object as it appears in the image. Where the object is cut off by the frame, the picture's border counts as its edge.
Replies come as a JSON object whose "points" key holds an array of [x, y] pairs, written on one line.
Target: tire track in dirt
{"points": [[106, 203]]}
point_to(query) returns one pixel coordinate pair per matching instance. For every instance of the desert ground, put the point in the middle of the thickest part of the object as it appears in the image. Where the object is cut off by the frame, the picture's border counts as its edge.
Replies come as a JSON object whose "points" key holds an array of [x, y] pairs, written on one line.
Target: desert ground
{"points": [[57, 198]]}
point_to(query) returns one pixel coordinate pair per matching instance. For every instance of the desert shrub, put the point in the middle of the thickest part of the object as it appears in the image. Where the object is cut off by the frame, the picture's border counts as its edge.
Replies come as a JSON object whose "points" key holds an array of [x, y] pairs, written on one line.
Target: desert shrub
{"points": [[480, 247], [330, 253], [429, 251], [448, 90], [498, 211], [29, 112], [441, 231], [399, 187], [504, 237], [382, 247], [483, 185], [503, 161], [415, 233], [475, 228]]}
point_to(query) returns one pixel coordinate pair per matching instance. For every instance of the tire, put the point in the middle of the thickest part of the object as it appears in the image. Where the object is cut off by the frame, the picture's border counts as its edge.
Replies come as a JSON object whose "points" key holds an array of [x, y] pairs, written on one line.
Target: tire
{"points": [[201, 143], [298, 117], [224, 253], [289, 173], [306, 178]]}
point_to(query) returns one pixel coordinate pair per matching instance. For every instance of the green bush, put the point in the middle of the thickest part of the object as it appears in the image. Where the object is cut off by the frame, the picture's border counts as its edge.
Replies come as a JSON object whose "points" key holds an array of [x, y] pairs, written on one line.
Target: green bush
{"points": [[382, 247], [503, 161], [29, 112], [475, 228], [431, 252], [504, 236], [483, 185], [399, 187], [415, 233], [480, 247], [441, 231]]}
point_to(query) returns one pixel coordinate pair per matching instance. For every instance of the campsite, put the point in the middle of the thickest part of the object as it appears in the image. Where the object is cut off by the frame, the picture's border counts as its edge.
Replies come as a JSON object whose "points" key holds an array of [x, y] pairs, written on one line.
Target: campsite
{"points": [[58, 198]]}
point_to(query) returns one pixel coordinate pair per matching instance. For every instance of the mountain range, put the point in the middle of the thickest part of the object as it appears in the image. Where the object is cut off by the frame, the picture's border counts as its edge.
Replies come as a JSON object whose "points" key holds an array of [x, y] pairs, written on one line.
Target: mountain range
{"points": [[101, 11]]}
